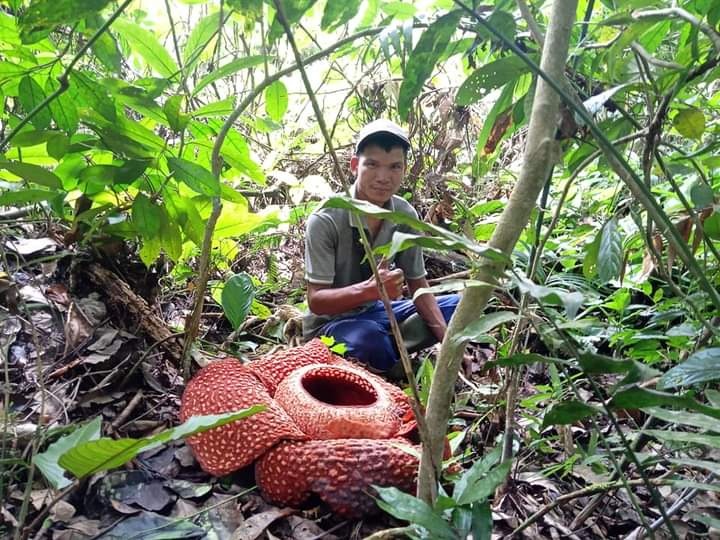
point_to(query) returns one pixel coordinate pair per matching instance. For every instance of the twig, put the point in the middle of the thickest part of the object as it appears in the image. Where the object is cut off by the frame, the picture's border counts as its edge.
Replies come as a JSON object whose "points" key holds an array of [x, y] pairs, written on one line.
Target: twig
{"points": [[650, 59], [386, 534], [127, 411], [589, 490], [531, 22]]}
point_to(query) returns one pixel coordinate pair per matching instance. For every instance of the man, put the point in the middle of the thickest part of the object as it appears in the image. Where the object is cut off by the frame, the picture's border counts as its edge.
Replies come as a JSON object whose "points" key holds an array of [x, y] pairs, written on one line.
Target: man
{"points": [[343, 296]]}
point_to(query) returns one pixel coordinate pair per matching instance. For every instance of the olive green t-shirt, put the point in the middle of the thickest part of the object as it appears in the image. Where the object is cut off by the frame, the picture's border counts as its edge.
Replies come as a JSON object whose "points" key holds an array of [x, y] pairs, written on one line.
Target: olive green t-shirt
{"points": [[334, 254]]}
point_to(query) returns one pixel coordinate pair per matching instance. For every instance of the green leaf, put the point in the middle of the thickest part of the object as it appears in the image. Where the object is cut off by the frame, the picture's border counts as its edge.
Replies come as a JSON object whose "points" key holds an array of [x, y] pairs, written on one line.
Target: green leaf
{"points": [[337, 13], [701, 366], [363, 207], [42, 16], [610, 254], [47, 461], [84, 89], [32, 173], [237, 297], [104, 454], [182, 210], [276, 100], [523, 359], [711, 226], [465, 484], [636, 397], [571, 301], [684, 437], [236, 152], [173, 112], [479, 328], [685, 418], [702, 195], [31, 95], [58, 145], [63, 109], [170, 236], [217, 108], [420, 65], [200, 37], [146, 45], [406, 507], [399, 10], [26, 196], [106, 48], [493, 75], [482, 521], [568, 412], [229, 69], [146, 217], [198, 178], [402, 241], [31, 138], [593, 364], [690, 123]]}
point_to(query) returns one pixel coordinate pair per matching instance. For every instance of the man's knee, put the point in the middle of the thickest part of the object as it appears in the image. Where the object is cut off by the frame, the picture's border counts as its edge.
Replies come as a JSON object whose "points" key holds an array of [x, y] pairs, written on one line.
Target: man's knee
{"points": [[365, 340]]}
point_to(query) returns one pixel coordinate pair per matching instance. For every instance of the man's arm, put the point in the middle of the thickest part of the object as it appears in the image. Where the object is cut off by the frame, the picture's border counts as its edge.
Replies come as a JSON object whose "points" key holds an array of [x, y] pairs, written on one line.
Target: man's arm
{"points": [[326, 300], [427, 307]]}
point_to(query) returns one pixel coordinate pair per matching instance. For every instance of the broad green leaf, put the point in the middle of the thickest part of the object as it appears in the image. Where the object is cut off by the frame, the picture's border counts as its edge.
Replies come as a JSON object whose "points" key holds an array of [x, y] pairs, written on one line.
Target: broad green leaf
{"points": [[236, 221], [146, 217], [493, 75], [482, 523], [481, 327], [173, 112], [26, 196], [690, 123], [701, 366], [63, 109], [58, 145], [236, 152], [406, 507], [570, 300], [702, 195], [47, 461], [32, 173], [711, 466], [402, 241], [363, 207], [592, 363], [200, 37], [399, 10], [237, 297], [230, 69], [480, 468], [294, 10], [610, 253], [170, 236], [636, 397], [104, 454], [42, 16], [198, 178], [217, 108], [106, 49], [86, 91], [711, 226], [147, 45], [568, 412], [337, 13], [523, 359], [685, 418], [31, 138], [182, 210], [31, 95], [420, 65], [276, 100], [684, 437]]}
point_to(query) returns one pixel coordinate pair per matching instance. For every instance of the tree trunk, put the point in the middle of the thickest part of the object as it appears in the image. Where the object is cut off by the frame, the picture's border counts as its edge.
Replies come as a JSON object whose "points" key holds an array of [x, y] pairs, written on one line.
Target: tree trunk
{"points": [[541, 151]]}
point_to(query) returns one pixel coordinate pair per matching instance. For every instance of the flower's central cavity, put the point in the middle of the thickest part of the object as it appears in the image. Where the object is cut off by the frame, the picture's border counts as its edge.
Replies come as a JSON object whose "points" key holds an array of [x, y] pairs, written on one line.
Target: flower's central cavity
{"points": [[339, 387]]}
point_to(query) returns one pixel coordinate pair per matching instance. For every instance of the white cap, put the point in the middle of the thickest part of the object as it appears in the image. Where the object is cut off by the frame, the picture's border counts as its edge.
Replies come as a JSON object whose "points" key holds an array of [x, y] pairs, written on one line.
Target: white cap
{"points": [[382, 126]]}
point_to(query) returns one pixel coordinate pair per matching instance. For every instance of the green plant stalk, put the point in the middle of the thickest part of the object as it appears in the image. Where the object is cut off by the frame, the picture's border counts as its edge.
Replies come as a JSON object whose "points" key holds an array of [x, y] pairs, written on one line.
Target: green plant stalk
{"points": [[394, 326], [63, 78], [193, 322], [540, 154]]}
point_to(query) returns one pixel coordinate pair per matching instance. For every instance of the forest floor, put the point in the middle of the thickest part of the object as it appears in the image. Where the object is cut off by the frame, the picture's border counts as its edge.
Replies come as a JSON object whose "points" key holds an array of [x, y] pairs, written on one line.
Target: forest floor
{"points": [[76, 349]]}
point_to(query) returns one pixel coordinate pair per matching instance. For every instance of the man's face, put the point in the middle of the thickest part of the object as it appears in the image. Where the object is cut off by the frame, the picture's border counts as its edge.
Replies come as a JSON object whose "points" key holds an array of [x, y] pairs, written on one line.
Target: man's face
{"points": [[378, 173]]}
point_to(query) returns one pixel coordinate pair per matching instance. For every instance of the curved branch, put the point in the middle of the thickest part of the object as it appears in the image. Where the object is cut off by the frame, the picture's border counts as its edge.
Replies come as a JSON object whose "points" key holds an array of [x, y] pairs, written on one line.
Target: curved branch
{"points": [[679, 13]]}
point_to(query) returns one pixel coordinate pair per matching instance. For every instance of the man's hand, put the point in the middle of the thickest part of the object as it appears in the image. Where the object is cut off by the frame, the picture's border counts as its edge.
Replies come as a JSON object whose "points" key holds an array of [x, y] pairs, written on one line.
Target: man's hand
{"points": [[392, 279]]}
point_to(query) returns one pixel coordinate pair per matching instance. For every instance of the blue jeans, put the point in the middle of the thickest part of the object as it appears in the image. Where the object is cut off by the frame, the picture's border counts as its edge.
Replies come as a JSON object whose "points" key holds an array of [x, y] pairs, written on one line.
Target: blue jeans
{"points": [[368, 336]]}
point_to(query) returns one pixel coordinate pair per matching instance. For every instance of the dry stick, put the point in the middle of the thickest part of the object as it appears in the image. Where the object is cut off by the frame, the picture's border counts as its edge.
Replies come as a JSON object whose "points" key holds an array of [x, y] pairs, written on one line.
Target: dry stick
{"points": [[540, 154], [193, 323], [589, 490], [63, 79], [531, 22], [395, 328]]}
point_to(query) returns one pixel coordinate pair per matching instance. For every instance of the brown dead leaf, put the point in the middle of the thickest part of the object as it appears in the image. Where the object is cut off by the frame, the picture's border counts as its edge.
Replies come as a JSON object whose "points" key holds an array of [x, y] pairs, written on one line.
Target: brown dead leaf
{"points": [[63, 511], [255, 526], [502, 122], [77, 328], [58, 293]]}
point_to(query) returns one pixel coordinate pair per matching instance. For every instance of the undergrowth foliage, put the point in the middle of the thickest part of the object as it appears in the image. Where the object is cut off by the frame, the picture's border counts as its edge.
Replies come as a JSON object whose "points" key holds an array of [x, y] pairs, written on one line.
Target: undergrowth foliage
{"points": [[181, 130]]}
